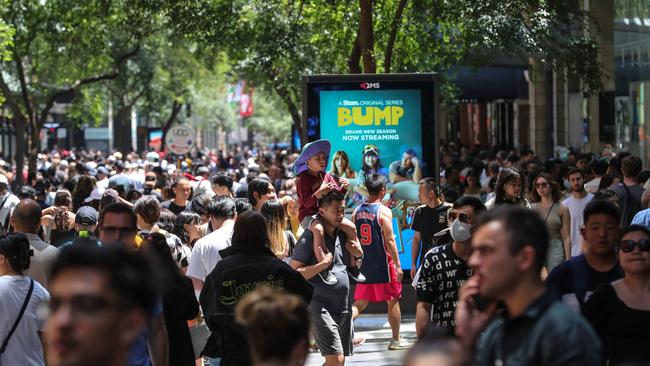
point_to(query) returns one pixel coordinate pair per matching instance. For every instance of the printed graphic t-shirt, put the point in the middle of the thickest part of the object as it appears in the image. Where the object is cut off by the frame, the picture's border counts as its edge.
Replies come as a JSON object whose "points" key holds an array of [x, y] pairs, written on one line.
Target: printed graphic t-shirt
{"points": [[441, 275]]}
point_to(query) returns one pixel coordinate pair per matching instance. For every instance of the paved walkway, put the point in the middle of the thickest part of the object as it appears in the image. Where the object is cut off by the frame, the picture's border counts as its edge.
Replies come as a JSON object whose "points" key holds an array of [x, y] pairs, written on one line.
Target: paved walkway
{"points": [[375, 351]]}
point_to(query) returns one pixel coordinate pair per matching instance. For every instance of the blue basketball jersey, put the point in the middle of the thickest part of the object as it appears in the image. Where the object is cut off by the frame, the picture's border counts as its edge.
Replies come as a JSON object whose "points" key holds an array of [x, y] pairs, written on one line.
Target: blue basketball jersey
{"points": [[375, 257]]}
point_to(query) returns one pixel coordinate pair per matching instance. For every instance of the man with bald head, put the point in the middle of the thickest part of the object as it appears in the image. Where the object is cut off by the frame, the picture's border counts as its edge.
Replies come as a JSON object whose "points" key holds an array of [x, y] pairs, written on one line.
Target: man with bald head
{"points": [[26, 219]]}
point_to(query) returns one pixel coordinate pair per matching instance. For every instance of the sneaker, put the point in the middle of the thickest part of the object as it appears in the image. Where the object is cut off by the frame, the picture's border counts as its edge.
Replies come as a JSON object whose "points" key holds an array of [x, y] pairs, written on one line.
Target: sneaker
{"points": [[356, 275], [328, 278], [397, 344]]}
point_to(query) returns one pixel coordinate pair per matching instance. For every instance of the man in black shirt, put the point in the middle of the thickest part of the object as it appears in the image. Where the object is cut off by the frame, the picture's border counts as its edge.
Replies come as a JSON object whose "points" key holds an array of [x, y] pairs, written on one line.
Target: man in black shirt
{"points": [[508, 250], [576, 279], [182, 191], [444, 269], [429, 219]]}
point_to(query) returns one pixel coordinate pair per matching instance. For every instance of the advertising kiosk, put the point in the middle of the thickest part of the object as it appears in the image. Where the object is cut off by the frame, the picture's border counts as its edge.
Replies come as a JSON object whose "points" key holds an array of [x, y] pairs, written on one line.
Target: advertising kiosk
{"points": [[384, 115]]}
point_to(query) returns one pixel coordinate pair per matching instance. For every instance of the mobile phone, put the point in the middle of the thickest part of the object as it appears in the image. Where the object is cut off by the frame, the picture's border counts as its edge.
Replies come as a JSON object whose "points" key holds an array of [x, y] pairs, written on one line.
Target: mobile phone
{"points": [[481, 302]]}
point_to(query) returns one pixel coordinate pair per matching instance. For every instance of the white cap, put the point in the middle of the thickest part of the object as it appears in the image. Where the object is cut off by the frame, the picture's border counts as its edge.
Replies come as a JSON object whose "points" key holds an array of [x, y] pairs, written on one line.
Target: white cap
{"points": [[204, 186], [96, 194], [3, 179]]}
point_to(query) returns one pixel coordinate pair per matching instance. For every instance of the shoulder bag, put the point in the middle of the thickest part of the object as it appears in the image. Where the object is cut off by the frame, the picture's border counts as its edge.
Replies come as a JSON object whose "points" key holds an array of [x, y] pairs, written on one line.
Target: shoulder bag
{"points": [[20, 316]]}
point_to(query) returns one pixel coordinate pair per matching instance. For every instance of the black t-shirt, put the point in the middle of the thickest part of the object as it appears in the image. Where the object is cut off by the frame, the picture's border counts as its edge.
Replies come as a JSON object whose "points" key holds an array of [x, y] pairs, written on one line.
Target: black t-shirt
{"points": [[440, 277], [623, 330], [428, 221], [575, 280], [171, 206]]}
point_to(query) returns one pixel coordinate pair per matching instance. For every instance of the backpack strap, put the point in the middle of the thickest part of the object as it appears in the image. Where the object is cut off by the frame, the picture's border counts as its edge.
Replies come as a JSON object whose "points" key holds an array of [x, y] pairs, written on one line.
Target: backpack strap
{"points": [[579, 268], [20, 316]]}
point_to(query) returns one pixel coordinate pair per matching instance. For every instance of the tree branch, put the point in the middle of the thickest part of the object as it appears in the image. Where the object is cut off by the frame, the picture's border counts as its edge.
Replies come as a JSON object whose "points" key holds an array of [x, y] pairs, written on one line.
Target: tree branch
{"points": [[393, 35], [366, 37], [11, 100], [355, 57], [135, 99], [79, 83], [176, 108], [23, 82]]}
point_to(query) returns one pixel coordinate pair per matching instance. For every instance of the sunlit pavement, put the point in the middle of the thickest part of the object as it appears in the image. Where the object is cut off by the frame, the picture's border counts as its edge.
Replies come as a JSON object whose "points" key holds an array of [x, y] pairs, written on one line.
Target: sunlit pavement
{"points": [[374, 351]]}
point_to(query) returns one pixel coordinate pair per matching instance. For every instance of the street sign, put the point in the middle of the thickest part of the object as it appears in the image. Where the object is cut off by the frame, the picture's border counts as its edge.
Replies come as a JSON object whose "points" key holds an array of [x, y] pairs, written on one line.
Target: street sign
{"points": [[180, 139]]}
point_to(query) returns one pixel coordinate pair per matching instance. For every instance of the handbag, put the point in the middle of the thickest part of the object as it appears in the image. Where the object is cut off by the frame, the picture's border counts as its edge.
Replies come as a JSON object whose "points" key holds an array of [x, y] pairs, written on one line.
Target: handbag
{"points": [[20, 316], [199, 334]]}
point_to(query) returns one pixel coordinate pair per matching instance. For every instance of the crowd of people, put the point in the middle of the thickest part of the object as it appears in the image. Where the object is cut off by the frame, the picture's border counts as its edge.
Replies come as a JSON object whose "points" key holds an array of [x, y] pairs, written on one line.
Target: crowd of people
{"points": [[259, 256]]}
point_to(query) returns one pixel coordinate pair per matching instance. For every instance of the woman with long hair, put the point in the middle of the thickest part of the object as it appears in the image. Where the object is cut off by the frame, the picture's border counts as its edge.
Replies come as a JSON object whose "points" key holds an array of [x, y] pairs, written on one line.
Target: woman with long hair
{"points": [[82, 190], [547, 201], [281, 240], [186, 227], [58, 220], [370, 163], [509, 190], [472, 186], [179, 300], [17, 292], [292, 209], [341, 166], [620, 311]]}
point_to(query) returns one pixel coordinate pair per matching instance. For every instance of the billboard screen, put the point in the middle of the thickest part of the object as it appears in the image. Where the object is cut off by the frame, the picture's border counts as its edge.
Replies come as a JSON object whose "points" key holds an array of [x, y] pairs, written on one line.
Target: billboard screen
{"points": [[390, 114], [389, 119]]}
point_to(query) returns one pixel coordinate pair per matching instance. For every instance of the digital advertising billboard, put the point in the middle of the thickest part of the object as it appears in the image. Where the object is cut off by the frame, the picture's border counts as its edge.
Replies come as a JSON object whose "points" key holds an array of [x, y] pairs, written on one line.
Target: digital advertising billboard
{"points": [[389, 114]]}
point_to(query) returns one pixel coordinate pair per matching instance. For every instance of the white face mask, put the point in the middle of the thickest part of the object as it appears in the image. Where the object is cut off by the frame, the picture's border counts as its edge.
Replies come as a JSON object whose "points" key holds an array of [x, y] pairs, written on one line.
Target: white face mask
{"points": [[460, 231]]}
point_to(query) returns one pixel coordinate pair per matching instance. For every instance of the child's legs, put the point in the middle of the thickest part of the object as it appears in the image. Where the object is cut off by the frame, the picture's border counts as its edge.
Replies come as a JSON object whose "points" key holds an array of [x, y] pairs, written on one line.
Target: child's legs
{"points": [[319, 239], [350, 231]]}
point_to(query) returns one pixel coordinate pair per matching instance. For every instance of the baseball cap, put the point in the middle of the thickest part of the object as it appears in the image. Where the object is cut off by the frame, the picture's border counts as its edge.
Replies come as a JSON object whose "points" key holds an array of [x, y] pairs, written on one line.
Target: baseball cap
{"points": [[103, 170], [3, 179], [96, 194], [86, 215], [109, 196]]}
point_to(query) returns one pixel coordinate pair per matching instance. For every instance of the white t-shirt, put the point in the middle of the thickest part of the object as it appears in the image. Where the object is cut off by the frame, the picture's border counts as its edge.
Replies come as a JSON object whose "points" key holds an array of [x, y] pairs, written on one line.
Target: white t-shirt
{"points": [[103, 183], [576, 207], [24, 347], [9, 205], [205, 254]]}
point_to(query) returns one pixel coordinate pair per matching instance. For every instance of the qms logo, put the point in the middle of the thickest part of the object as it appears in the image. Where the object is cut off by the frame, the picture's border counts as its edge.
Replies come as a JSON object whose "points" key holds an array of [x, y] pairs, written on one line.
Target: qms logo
{"points": [[369, 86]]}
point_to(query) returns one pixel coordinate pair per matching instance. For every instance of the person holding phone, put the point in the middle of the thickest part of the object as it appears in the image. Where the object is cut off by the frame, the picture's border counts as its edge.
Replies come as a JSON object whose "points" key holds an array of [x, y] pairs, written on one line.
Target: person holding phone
{"points": [[445, 269], [508, 251]]}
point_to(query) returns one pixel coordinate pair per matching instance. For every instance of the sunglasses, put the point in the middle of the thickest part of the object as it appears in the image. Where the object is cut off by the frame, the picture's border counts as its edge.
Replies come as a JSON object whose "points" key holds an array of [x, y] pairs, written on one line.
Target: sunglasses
{"points": [[541, 185], [463, 217], [627, 246]]}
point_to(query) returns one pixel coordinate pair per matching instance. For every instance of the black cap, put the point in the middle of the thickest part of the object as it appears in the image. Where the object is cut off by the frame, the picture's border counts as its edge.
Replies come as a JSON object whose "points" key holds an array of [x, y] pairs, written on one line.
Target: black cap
{"points": [[86, 215]]}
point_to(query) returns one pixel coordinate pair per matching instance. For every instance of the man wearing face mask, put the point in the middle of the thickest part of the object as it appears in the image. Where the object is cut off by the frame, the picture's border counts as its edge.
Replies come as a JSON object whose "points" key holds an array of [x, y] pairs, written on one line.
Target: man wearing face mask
{"points": [[445, 269]]}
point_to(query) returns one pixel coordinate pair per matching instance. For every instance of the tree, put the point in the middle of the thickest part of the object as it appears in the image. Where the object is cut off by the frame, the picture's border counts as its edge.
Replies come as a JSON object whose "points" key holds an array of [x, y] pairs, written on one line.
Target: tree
{"points": [[57, 49], [273, 43]]}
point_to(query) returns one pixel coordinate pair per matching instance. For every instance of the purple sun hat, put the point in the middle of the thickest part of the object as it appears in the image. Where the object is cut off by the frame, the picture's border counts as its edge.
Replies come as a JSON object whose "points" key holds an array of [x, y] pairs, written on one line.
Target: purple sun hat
{"points": [[310, 150]]}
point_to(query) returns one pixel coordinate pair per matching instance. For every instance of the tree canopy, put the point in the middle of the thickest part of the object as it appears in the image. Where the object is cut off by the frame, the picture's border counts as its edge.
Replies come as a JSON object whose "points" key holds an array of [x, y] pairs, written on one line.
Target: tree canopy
{"points": [[158, 56]]}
